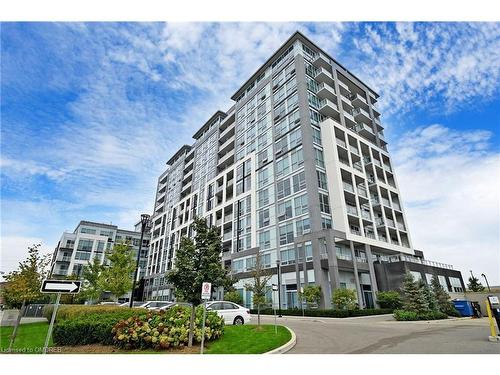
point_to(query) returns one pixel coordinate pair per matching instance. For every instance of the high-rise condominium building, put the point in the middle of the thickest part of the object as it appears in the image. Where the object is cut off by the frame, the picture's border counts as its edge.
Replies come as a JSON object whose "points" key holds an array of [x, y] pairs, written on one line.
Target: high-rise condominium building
{"points": [[297, 169], [89, 240]]}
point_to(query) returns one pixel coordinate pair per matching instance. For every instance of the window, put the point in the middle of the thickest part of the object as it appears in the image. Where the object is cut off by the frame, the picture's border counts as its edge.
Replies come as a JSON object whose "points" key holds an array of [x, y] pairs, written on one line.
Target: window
{"points": [[316, 133], [297, 158], [287, 256], [456, 284], [323, 203], [265, 240], [88, 231], [283, 188], [320, 161], [100, 246], [299, 182], [303, 226], [282, 167], [285, 210], [85, 245], [312, 85], [263, 198], [238, 265], [416, 275], [308, 251], [263, 157], [300, 205], [322, 184], [295, 138], [326, 223], [264, 219], [286, 234], [263, 177], [82, 255]]}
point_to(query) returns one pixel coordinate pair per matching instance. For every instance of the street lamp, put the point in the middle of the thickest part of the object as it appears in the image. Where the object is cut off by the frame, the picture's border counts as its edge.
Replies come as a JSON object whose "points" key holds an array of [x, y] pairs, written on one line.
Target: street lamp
{"points": [[279, 286], [488, 285], [145, 223]]}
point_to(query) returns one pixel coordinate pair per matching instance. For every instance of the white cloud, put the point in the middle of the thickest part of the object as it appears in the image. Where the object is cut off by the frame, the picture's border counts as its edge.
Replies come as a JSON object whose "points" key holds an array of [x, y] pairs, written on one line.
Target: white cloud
{"points": [[449, 184], [421, 64]]}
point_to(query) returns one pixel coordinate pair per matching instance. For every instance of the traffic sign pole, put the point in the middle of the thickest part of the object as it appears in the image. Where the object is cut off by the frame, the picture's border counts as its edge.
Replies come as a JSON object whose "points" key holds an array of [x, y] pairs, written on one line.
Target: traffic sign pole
{"points": [[203, 326], [206, 291], [52, 320]]}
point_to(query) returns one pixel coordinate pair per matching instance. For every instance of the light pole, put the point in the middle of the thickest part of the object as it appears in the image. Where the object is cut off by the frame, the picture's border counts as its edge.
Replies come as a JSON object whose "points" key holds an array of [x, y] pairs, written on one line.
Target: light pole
{"points": [[145, 222], [279, 286], [487, 284]]}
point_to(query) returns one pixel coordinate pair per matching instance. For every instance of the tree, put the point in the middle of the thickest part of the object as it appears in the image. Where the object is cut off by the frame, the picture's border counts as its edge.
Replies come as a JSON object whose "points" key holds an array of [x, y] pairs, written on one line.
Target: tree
{"points": [[414, 298], [442, 297], [429, 296], [117, 277], [233, 296], [474, 284], [258, 287], [344, 299], [23, 284], [311, 294], [92, 280], [196, 262], [389, 300]]}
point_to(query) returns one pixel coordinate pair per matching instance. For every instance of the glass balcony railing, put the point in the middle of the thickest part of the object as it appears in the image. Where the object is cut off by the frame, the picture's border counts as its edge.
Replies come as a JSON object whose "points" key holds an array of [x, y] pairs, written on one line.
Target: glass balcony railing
{"points": [[352, 210], [348, 187]]}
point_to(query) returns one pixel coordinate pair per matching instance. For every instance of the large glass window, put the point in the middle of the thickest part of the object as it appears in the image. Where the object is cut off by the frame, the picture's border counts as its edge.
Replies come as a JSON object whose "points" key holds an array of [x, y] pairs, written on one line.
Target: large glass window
{"points": [[322, 183], [285, 210], [324, 203], [320, 161], [264, 218], [85, 245], [286, 234], [300, 204], [299, 182], [283, 188], [303, 226]]}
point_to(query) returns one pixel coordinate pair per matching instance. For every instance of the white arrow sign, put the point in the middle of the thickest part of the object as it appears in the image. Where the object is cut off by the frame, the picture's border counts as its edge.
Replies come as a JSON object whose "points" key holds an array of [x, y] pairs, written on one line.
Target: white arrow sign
{"points": [[60, 286]]}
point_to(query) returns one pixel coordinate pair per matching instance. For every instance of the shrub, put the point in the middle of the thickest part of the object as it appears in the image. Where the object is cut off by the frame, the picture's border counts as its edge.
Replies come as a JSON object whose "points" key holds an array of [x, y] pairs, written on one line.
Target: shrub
{"points": [[326, 313], [344, 299], [91, 329], [389, 300], [165, 329], [76, 311], [452, 311], [405, 315], [233, 296]]}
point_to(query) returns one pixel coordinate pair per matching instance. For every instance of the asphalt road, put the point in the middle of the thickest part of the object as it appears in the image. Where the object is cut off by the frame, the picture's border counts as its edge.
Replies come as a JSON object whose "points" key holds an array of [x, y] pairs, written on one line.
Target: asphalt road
{"points": [[382, 334]]}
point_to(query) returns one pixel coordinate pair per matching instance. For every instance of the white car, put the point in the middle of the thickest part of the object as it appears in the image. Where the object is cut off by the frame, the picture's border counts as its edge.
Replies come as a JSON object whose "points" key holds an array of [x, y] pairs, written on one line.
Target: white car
{"points": [[230, 311], [155, 305]]}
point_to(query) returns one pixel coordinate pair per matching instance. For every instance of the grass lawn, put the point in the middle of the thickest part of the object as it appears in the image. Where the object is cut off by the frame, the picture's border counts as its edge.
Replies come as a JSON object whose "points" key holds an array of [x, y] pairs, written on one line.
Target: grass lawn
{"points": [[248, 339], [30, 338], [245, 339]]}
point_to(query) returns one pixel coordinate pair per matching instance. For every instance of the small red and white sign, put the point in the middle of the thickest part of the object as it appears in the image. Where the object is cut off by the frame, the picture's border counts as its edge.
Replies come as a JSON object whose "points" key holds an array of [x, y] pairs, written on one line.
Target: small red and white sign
{"points": [[206, 290]]}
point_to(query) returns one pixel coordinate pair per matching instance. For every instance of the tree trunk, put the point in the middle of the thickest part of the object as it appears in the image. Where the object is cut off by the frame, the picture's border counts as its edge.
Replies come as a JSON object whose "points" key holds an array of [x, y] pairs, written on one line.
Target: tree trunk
{"points": [[191, 326], [18, 321], [258, 314]]}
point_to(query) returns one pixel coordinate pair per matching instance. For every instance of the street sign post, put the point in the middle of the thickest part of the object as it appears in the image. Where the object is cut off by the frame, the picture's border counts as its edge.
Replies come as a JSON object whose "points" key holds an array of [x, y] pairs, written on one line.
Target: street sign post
{"points": [[275, 289], [206, 291], [59, 287], [302, 299]]}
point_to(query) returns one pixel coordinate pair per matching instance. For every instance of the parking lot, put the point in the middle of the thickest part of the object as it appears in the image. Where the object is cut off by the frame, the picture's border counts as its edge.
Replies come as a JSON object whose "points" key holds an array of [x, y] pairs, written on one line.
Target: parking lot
{"points": [[382, 334]]}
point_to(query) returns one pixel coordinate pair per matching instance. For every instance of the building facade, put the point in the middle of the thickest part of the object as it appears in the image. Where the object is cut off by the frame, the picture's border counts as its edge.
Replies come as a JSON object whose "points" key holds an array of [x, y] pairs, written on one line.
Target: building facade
{"points": [[298, 169], [90, 240]]}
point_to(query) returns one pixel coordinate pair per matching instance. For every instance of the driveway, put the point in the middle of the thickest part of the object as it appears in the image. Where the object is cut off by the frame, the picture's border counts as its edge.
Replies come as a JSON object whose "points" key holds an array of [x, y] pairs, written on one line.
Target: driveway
{"points": [[382, 334]]}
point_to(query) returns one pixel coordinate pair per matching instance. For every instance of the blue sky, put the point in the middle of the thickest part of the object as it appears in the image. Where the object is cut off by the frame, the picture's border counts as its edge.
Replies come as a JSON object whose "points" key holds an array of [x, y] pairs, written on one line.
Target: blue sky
{"points": [[91, 112]]}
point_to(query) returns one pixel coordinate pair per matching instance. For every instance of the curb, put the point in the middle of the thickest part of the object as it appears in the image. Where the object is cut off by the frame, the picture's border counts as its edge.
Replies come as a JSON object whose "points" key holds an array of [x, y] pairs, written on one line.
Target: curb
{"points": [[285, 347]]}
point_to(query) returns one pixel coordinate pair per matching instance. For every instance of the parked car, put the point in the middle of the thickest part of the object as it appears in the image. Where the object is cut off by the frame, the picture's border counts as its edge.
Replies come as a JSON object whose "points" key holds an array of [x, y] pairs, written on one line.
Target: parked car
{"points": [[110, 303], [134, 304], [230, 311], [172, 304], [154, 305]]}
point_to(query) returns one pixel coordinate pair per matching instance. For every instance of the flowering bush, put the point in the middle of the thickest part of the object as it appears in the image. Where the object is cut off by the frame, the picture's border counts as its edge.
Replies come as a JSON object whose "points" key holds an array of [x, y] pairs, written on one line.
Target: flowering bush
{"points": [[165, 329]]}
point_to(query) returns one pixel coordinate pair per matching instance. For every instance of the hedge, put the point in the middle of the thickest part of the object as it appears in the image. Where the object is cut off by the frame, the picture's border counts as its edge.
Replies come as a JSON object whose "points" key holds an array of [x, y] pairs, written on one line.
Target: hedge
{"points": [[75, 311], [405, 315], [165, 329], [327, 313]]}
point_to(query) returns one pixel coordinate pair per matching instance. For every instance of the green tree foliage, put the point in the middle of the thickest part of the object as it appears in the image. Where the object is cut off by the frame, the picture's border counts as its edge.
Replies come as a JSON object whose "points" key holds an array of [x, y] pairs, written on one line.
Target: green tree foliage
{"points": [[389, 300], [23, 285], [311, 294], [196, 262], [414, 298], [429, 296], [442, 297], [234, 296], [92, 280], [344, 299], [258, 286], [475, 285], [117, 277]]}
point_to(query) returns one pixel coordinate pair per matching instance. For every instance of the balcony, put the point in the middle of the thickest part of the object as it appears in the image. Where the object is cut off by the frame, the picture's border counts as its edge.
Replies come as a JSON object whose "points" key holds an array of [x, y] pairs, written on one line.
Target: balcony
{"points": [[361, 115], [325, 91], [364, 130], [343, 87], [357, 165], [352, 210], [356, 232], [321, 61], [358, 100], [341, 143], [328, 108], [387, 167], [226, 131], [64, 259], [401, 226], [366, 215], [370, 235], [379, 222], [386, 202], [227, 145], [390, 223], [348, 187], [354, 149], [227, 158], [362, 192], [349, 119], [324, 76]]}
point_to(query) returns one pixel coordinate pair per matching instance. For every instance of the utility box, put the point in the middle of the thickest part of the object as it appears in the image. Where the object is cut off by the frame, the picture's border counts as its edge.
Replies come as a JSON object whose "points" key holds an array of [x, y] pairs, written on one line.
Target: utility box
{"points": [[464, 307]]}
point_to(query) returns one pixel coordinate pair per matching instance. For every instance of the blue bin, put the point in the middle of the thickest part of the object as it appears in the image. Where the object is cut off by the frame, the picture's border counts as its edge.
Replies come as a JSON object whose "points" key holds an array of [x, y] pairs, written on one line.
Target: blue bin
{"points": [[464, 307]]}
